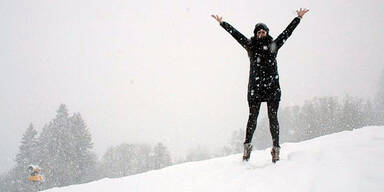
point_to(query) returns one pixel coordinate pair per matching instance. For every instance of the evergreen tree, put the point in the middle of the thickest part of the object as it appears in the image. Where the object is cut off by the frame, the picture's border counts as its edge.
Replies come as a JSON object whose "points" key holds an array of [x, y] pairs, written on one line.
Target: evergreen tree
{"points": [[55, 159], [65, 155], [26, 156], [62, 151], [294, 131], [369, 114], [161, 157], [286, 122], [28, 148], [308, 121], [327, 112], [142, 158], [379, 101], [125, 154], [83, 160], [12, 181], [109, 167], [352, 115], [126, 159], [3, 182], [237, 140]]}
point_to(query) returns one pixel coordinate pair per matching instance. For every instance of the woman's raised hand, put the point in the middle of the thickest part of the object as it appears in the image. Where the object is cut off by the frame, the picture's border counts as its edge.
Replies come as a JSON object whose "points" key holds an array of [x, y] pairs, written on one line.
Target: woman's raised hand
{"points": [[218, 19], [301, 12]]}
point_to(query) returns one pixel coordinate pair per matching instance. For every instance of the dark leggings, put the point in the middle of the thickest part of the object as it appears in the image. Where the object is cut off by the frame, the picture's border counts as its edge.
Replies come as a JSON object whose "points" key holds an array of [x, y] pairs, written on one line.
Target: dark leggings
{"points": [[254, 109]]}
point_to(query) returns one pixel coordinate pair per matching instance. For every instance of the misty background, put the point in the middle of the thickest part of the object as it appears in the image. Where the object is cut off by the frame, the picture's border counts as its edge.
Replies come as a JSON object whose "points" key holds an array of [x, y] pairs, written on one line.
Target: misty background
{"points": [[165, 71]]}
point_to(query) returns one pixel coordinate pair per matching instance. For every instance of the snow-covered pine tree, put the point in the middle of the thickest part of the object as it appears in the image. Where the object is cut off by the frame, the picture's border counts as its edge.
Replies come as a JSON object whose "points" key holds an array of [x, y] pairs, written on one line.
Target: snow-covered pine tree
{"points": [[379, 101], [141, 159], [83, 159], [28, 148], [352, 114], [237, 140], [161, 157], [3, 183], [286, 118], [27, 155], [328, 112], [126, 159], [54, 140], [295, 129], [369, 114], [125, 154], [307, 122], [65, 151], [107, 166], [11, 182]]}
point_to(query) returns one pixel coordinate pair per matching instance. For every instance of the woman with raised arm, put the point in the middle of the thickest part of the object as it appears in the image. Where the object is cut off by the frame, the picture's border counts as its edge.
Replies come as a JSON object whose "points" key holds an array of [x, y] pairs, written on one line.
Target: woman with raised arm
{"points": [[263, 84]]}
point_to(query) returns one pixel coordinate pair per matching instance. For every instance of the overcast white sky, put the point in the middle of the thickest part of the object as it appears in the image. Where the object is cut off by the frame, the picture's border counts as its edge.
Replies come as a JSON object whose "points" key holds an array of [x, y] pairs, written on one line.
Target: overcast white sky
{"points": [[165, 71]]}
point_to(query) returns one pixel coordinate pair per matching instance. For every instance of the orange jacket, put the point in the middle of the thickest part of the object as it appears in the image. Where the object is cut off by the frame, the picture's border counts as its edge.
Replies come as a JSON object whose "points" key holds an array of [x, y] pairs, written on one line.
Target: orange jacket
{"points": [[38, 178]]}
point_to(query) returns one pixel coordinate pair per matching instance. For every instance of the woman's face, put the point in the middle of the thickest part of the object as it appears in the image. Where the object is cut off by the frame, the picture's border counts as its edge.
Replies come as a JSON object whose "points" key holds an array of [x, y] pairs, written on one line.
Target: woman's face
{"points": [[261, 33]]}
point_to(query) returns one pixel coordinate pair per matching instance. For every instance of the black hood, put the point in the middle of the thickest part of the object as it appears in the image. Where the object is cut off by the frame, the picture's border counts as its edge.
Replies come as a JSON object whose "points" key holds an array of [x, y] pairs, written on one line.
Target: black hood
{"points": [[260, 26], [262, 41]]}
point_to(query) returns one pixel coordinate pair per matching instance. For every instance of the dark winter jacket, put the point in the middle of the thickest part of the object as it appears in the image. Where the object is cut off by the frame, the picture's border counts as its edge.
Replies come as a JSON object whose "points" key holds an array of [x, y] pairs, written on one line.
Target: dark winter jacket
{"points": [[263, 82]]}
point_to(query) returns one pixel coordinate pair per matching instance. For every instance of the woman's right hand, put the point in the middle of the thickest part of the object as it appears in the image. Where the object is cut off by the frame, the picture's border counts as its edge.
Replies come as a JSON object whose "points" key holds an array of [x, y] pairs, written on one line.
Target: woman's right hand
{"points": [[301, 12], [218, 19]]}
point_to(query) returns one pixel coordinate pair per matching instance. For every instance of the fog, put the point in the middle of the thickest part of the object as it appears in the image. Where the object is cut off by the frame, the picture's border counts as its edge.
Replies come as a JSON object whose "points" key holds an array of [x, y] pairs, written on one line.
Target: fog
{"points": [[165, 71]]}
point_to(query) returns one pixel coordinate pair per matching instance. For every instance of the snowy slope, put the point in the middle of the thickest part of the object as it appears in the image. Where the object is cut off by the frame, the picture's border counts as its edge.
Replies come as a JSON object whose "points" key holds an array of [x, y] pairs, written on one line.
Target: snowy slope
{"points": [[347, 161]]}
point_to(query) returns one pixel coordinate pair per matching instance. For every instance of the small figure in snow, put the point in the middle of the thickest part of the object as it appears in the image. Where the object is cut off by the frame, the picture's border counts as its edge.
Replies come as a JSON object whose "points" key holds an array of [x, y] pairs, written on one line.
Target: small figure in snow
{"points": [[263, 84], [35, 177]]}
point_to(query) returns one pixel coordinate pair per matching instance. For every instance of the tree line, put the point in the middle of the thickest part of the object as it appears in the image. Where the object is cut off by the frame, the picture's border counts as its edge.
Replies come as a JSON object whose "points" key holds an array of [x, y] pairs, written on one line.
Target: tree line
{"points": [[63, 151]]}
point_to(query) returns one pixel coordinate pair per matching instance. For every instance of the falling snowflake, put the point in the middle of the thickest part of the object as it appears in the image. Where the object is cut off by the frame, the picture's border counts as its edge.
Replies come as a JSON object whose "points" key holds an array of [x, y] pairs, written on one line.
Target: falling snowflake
{"points": [[273, 47]]}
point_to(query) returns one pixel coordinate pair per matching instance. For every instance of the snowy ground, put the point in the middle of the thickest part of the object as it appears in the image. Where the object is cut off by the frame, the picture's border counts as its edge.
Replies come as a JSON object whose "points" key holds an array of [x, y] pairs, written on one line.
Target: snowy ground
{"points": [[347, 161]]}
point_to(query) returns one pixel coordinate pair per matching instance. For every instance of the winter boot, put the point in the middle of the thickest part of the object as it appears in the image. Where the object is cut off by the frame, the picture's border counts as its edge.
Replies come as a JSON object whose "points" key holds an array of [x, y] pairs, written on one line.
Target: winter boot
{"points": [[275, 152], [247, 151]]}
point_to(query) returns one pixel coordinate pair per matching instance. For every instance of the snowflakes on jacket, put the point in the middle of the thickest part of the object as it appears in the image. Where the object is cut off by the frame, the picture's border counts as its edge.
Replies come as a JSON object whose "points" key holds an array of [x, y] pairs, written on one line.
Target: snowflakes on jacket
{"points": [[263, 82]]}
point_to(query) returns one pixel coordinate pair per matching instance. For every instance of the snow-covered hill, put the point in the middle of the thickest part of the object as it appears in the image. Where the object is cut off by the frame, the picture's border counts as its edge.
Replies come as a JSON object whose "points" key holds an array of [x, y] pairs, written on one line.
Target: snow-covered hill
{"points": [[347, 161]]}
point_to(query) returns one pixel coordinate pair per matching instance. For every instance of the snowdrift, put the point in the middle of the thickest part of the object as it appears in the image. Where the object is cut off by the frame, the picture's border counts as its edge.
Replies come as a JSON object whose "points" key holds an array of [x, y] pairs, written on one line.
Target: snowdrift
{"points": [[346, 161]]}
